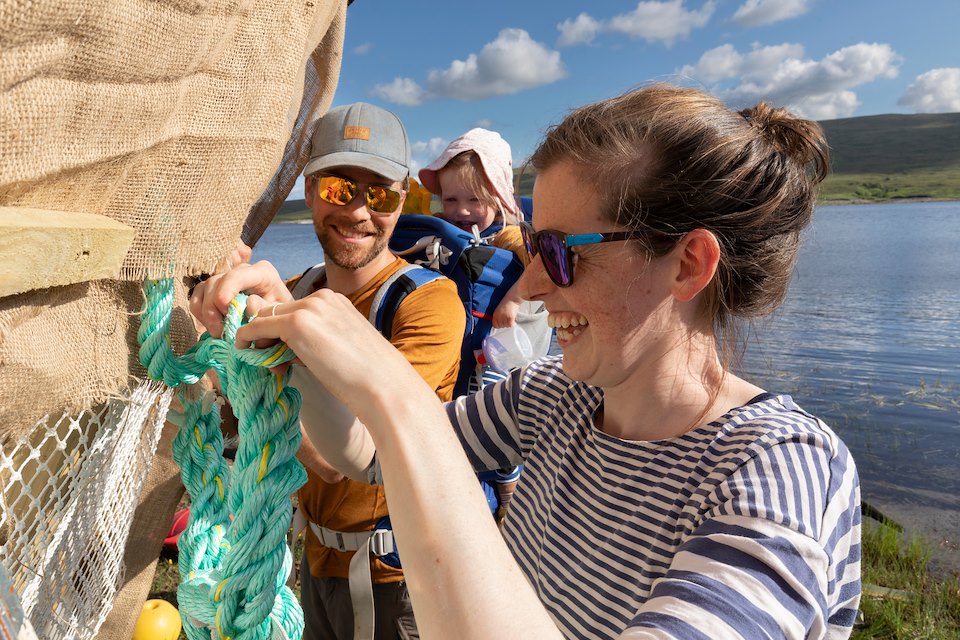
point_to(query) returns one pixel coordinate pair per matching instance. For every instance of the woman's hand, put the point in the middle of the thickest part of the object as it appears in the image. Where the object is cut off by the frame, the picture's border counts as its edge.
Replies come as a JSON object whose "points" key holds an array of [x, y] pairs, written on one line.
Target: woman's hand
{"points": [[333, 340], [211, 298]]}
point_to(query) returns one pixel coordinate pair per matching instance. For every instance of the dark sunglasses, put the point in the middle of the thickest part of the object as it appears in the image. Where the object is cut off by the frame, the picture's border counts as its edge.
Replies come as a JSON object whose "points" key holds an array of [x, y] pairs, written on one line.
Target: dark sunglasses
{"points": [[555, 248], [341, 191]]}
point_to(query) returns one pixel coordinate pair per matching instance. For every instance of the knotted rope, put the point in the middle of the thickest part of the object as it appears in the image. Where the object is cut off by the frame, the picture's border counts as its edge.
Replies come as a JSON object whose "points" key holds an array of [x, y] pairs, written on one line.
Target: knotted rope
{"points": [[233, 574]]}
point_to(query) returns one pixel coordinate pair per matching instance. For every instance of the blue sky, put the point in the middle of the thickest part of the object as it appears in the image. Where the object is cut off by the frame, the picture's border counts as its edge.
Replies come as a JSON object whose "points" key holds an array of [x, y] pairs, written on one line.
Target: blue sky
{"points": [[518, 66]]}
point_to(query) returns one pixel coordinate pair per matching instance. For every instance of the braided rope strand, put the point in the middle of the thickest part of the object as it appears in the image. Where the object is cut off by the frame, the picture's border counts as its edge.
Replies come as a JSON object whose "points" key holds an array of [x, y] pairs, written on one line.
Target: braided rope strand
{"points": [[233, 574]]}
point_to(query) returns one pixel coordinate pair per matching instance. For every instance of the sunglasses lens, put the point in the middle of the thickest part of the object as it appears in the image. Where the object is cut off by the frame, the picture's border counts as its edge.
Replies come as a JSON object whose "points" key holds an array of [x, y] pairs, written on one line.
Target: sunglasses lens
{"points": [[382, 200], [341, 191], [553, 254], [336, 190]]}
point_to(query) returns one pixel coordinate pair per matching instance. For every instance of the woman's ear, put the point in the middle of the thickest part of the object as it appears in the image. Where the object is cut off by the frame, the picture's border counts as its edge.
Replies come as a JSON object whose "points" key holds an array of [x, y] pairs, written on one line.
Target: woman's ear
{"points": [[698, 254]]}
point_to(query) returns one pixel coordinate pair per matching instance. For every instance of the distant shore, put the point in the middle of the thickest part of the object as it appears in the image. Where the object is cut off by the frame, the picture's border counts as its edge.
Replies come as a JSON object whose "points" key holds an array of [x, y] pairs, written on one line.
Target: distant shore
{"points": [[303, 217], [886, 201], [291, 220]]}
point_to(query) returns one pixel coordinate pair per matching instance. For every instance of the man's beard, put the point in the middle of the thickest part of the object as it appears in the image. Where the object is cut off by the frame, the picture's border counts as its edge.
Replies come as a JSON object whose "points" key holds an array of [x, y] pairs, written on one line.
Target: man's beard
{"points": [[347, 256]]}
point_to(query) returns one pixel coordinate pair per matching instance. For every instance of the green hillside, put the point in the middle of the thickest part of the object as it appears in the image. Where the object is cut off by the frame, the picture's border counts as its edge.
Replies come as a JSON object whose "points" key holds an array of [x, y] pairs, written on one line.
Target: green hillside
{"points": [[885, 157], [293, 211], [894, 143]]}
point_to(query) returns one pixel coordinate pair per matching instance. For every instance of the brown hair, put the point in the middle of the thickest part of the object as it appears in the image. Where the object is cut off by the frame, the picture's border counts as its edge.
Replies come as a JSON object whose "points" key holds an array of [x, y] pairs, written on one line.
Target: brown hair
{"points": [[666, 160]]}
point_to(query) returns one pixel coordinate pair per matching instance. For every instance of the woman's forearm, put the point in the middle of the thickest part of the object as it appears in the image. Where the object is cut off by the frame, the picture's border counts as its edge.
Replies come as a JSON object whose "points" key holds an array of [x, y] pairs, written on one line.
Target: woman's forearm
{"points": [[439, 515], [442, 523]]}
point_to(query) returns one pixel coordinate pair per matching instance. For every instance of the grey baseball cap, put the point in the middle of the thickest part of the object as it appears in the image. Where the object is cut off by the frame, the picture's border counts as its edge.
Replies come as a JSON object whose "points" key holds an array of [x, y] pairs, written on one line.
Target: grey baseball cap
{"points": [[360, 135]]}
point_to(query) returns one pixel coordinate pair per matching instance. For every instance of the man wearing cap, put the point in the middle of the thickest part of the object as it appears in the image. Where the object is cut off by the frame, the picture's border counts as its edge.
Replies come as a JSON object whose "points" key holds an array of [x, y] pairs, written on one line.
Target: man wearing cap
{"points": [[356, 182]]}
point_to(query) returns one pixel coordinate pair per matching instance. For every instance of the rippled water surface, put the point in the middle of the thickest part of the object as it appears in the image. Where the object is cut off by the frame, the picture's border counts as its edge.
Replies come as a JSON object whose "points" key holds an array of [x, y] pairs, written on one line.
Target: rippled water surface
{"points": [[869, 339]]}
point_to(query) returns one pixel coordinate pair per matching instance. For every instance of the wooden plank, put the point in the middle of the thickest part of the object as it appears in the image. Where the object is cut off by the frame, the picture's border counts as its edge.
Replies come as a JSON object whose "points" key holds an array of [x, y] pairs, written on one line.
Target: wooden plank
{"points": [[42, 248], [886, 593]]}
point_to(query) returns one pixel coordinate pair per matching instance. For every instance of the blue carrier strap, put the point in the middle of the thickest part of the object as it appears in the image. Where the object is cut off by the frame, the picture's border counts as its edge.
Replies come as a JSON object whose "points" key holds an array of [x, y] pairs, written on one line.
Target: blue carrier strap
{"points": [[391, 294]]}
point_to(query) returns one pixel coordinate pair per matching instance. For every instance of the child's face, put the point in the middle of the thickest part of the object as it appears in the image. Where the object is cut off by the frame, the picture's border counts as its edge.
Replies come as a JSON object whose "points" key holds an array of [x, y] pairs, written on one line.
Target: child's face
{"points": [[461, 205]]}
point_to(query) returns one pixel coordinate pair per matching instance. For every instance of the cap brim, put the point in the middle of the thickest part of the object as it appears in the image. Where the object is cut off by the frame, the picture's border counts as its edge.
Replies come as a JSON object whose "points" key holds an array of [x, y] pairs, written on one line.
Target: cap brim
{"points": [[381, 166]]}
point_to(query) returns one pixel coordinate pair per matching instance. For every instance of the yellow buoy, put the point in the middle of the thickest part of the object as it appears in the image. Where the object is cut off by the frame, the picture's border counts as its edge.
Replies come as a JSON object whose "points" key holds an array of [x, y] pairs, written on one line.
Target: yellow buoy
{"points": [[159, 620]]}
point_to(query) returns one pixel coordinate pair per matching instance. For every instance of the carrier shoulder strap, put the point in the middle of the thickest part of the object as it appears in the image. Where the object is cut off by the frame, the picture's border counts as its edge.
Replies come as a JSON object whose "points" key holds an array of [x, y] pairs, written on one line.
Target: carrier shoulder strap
{"points": [[392, 293], [307, 281]]}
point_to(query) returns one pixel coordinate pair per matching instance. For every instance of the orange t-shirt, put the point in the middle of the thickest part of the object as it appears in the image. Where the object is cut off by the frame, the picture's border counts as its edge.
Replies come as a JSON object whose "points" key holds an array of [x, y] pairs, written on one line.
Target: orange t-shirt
{"points": [[428, 330]]}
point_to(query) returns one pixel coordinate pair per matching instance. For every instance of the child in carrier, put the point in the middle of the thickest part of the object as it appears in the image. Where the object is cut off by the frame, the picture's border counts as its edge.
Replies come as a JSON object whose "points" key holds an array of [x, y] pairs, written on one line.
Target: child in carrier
{"points": [[474, 178]]}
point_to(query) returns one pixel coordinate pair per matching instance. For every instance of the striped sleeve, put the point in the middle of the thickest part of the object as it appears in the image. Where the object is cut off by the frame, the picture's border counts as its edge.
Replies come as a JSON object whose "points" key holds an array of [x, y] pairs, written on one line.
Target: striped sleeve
{"points": [[500, 424], [777, 557], [487, 426]]}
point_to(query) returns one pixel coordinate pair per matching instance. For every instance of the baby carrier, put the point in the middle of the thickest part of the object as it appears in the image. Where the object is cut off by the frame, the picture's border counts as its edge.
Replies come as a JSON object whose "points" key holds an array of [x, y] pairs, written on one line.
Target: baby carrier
{"points": [[482, 272]]}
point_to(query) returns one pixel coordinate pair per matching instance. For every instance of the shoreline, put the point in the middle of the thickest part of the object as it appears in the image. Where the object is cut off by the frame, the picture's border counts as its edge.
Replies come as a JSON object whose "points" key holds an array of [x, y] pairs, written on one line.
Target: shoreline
{"points": [[938, 527], [829, 203], [887, 201], [294, 221]]}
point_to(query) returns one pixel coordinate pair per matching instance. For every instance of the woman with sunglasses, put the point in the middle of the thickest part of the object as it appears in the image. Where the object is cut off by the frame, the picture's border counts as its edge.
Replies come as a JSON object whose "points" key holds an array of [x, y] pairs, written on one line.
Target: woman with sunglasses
{"points": [[663, 496]]}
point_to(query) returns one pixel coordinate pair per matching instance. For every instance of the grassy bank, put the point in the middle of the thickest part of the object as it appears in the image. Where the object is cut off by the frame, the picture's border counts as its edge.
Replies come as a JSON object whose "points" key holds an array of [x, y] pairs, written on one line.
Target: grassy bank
{"points": [[902, 599], [934, 184]]}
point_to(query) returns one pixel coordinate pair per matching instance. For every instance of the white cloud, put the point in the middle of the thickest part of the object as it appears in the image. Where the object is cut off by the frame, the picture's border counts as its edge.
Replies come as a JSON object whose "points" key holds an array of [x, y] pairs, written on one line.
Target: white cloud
{"points": [[652, 20], [402, 91], [726, 62], [827, 106], [715, 65], [423, 153], [819, 89], [581, 30], [510, 64], [362, 49], [936, 91], [431, 147], [753, 13], [664, 21]]}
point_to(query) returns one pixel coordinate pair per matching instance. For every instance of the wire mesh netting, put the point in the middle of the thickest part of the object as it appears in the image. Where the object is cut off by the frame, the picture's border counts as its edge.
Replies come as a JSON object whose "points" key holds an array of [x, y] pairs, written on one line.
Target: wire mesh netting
{"points": [[70, 488]]}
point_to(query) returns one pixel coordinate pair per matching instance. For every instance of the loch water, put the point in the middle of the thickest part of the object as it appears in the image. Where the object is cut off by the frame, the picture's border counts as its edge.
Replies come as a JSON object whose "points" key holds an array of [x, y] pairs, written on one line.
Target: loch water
{"points": [[869, 340]]}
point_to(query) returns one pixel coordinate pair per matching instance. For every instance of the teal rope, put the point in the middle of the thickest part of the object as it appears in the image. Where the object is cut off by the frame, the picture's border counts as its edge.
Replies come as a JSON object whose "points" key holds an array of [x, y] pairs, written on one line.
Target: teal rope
{"points": [[233, 574]]}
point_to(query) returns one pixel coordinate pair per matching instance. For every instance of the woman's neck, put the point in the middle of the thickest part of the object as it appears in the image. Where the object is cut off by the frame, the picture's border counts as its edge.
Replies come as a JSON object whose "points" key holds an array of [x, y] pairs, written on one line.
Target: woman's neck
{"points": [[678, 394]]}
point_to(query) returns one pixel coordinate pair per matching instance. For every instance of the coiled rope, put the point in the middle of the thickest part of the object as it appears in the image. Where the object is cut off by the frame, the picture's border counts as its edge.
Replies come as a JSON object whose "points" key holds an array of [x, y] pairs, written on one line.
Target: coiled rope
{"points": [[233, 574]]}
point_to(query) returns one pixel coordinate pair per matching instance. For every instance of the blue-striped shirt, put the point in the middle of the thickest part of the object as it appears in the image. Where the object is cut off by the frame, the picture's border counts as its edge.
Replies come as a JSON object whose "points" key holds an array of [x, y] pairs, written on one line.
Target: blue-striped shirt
{"points": [[747, 527]]}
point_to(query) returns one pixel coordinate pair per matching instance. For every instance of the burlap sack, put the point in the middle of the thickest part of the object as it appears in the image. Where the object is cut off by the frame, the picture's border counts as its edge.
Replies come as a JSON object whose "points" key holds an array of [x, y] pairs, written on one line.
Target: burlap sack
{"points": [[176, 117], [187, 120]]}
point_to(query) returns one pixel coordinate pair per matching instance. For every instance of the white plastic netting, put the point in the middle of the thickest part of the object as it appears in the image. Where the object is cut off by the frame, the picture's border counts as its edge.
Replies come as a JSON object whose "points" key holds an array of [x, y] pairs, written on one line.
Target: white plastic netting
{"points": [[70, 487]]}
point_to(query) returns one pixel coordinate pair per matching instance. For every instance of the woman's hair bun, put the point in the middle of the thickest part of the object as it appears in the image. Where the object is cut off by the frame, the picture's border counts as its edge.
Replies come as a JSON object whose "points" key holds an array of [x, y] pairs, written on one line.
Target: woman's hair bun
{"points": [[801, 140]]}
